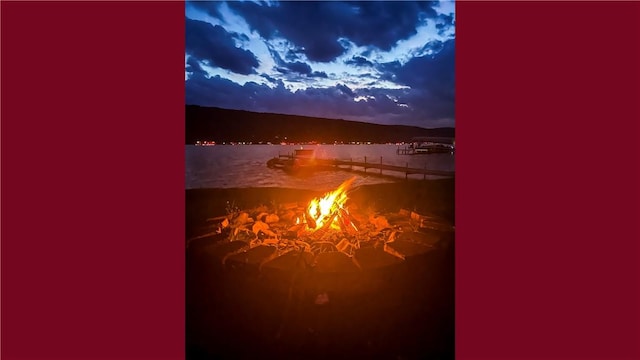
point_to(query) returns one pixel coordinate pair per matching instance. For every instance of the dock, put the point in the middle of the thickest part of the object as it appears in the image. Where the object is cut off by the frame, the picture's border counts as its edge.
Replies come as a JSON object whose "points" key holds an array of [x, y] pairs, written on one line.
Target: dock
{"points": [[363, 166]]}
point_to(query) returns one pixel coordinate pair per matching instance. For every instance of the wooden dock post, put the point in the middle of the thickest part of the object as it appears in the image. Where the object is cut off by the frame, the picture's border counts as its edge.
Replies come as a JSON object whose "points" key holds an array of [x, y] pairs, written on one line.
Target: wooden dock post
{"points": [[339, 164]]}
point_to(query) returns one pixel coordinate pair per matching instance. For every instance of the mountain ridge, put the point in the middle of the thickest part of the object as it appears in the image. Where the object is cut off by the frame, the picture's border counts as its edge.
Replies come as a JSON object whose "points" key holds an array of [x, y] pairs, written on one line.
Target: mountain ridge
{"points": [[227, 125]]}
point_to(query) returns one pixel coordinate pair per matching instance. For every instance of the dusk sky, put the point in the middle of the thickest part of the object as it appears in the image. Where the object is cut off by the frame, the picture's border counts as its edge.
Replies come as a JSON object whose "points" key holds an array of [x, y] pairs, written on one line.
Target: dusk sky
{"points": [[381, 62]]}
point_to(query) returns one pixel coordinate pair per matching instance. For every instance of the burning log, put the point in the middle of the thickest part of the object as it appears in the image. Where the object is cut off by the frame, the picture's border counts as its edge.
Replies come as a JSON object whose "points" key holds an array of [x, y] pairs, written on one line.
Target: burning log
{"points": [[347, 223], [323, 211], [311, 222], [322, 247], [432, 222], [347, 247], [303, 246], [328, 223], [217, 218], [271, 219]]}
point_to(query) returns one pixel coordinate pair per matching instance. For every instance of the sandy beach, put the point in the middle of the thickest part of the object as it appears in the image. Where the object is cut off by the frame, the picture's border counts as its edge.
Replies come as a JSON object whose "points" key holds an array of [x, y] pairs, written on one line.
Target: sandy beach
{"points": [[402, 311]]}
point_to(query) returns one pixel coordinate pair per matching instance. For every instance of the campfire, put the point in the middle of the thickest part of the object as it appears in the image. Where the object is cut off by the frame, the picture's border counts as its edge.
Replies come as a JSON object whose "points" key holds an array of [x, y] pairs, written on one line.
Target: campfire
{"points": [[330, 223], [329, 211]]}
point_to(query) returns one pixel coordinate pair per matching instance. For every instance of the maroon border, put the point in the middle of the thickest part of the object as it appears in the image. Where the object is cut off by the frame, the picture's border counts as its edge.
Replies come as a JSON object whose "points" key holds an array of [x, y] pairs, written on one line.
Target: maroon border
{"points": [[547, 164], [92, 230], [92, 180]]}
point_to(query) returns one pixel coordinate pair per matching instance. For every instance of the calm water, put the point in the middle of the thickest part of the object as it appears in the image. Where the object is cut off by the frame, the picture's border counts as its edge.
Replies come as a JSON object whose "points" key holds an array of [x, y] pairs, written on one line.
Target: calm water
{"points": [[229, 166]]}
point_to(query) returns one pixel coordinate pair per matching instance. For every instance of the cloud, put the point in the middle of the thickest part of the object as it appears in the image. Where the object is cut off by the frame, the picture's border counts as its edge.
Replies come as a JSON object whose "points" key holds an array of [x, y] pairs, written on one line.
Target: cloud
{"points": [[296, 66], [444, 22], [319, 74], [211, 8], [432, 82], [431, 73], [432, 47], [413, 83], [345, 89], [383, 23], [294, 54], [387, 70], [382, 106], [193, 66], [358, 61], [215, 46], [269, 78], [299, 67], [378, 24]]}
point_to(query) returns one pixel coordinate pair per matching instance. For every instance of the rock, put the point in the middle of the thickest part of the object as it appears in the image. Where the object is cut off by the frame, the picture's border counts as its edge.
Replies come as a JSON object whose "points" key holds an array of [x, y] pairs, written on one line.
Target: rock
{"points": [[288, 216], [259, 226], [261, 216], [242, 219], [242, 234]]}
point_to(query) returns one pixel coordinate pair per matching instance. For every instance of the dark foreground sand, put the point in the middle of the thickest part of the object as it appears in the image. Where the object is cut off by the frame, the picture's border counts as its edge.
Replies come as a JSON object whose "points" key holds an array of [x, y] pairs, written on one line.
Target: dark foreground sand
{"points": [[404, 311]]}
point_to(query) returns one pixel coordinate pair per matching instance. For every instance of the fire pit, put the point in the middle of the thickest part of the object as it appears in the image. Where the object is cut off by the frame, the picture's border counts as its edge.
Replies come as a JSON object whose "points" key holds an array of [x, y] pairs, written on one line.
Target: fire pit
{"points": [[326, 224], [347, 269]]}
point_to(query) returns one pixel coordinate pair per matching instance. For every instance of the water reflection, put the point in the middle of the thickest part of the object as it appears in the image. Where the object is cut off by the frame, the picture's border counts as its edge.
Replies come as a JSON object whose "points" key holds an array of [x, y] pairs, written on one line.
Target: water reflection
{"points": [[227, 166]]}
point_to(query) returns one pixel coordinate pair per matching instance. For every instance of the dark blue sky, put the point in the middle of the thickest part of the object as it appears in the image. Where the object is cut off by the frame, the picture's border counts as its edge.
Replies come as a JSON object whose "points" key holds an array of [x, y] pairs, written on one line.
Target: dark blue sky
{"points": [[381, 62]]}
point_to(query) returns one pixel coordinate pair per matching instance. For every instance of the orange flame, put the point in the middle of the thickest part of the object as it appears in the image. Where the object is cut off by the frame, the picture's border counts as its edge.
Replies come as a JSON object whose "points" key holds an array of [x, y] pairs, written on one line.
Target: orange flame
{"points": [[326, 210]]}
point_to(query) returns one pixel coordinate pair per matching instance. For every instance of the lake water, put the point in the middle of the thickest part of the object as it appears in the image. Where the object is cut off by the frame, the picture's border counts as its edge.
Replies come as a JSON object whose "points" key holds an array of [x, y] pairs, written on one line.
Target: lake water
{"points": [[239, 166]]}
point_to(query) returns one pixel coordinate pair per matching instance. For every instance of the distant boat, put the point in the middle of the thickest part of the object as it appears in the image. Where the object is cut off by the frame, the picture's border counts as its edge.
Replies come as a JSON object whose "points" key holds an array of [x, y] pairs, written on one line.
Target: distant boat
{"points": [[428, 145], [427, 148]]}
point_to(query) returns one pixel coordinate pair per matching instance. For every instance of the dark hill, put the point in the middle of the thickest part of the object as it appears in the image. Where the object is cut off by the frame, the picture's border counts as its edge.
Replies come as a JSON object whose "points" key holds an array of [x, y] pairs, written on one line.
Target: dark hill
{"points": [[223, 125]]}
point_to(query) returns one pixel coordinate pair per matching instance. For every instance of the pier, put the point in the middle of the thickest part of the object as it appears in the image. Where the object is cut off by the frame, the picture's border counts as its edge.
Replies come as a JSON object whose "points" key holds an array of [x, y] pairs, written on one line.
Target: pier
{"points": [[283, 160]]}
